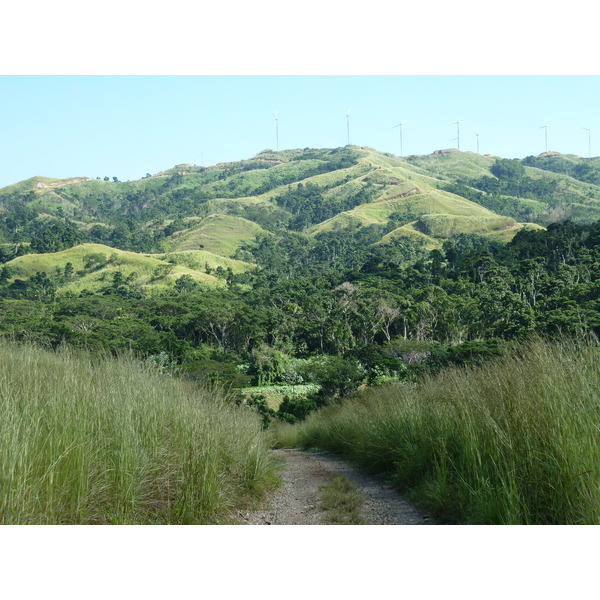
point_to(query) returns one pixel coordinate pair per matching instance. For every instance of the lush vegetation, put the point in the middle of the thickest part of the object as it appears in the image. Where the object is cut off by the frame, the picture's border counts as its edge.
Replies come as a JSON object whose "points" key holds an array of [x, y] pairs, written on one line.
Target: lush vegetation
{"points": [[333, 312], [513, 191], [298, 277], [87, 439], [45, 215], [514, 441], [297, 190], [587, 170]]}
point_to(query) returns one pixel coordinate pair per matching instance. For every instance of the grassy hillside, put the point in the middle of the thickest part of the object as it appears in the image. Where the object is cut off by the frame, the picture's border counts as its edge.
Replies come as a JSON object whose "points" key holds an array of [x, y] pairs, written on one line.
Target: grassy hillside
{"points": [[549, 188], [452, 164], [219, 208], [409, 231], [87, 440], [506, 235], [38, 184], [400, 191], [417, 204], [445, 226], [199, 259], [219, 234], [94, 264]]}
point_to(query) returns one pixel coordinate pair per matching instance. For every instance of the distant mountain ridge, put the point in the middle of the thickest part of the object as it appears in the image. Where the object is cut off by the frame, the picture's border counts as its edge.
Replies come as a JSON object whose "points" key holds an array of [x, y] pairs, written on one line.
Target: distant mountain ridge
{"points": [[311, 191]]}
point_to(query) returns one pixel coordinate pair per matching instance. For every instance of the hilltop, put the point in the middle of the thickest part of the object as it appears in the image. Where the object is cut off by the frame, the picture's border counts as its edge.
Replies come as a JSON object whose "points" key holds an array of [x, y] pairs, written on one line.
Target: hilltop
{"points": [[219, 210], [93, 267]]}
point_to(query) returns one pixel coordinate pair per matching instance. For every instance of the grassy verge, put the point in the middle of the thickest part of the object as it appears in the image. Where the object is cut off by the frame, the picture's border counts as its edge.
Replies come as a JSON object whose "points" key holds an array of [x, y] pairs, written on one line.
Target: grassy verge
{"points": [[98, 440], [513, 442], [342, 502]]}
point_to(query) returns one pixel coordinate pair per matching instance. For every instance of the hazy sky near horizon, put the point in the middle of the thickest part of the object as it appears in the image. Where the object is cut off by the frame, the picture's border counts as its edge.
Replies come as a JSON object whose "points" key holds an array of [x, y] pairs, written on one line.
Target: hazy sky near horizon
{"points": [[127, 126]]}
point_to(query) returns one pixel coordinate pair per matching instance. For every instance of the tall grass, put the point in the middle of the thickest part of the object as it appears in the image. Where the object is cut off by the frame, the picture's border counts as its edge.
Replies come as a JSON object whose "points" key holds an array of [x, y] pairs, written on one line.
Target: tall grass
{"points": [[98, 440], [515, 441]]}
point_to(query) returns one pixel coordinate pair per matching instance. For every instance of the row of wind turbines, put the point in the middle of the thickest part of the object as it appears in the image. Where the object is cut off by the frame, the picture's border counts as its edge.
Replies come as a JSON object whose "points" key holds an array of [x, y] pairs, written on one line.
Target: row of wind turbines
{"points": [[456, 139], [588, 129]]}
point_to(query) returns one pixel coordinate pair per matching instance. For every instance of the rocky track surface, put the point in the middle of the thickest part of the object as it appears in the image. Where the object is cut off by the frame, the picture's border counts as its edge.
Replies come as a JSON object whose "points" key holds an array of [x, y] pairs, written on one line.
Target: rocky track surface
{"points": [[298, 500]]}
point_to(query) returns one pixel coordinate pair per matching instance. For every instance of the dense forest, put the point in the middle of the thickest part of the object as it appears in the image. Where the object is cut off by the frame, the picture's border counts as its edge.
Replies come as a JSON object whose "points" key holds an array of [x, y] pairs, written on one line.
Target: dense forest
{"points": [[333, 312], [329, 307]]}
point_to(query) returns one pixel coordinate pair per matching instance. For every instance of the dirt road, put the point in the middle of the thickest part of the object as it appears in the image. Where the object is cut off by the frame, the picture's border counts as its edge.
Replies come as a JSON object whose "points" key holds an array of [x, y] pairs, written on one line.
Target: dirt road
{"points": [[297, 502]]}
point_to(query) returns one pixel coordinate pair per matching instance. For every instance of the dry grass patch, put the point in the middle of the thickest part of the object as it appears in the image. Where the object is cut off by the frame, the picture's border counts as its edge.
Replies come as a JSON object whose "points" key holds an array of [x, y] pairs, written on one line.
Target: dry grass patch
{"points": [[342, 502]]}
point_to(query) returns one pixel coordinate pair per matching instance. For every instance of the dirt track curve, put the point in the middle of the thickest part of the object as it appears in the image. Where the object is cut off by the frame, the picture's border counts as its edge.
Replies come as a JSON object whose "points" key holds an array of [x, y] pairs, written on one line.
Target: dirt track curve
{"points": [[297, 501]]}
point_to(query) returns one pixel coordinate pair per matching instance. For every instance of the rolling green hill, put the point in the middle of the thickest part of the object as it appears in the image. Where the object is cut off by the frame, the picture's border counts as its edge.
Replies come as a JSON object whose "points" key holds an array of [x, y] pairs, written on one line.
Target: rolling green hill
{"points": [[219, 234], [95, 264], [410, 232], [199, 259], [545, 189], [452, 164], [217, 210]]}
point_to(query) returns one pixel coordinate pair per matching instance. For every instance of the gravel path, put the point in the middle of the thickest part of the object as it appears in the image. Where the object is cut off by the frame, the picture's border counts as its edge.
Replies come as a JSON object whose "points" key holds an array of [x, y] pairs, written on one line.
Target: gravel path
{"points": [[297, 501]]}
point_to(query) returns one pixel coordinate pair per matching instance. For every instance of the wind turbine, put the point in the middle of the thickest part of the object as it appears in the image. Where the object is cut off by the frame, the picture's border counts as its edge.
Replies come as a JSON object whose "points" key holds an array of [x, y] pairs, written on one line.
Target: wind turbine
{"points": [[545, 128], [276, 131], [457, 123], [589, 140], [400, 125], [477, 136], [348, 124]]}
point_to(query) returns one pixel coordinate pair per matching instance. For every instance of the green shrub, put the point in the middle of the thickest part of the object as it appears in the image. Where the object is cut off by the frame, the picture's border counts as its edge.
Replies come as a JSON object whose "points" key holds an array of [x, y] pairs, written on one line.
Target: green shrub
{"points": [[467, 353], [337, 376], [293, 410], [259, 403]]}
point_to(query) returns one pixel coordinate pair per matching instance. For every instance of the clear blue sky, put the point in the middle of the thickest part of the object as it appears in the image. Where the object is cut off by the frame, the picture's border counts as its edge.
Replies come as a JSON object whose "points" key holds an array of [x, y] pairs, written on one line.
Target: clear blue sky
{"points": [[127, 126]]}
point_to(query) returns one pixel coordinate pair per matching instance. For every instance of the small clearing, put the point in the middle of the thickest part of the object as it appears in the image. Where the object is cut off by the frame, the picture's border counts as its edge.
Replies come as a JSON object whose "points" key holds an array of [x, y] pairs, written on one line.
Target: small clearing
{"points": [[298, 500]]}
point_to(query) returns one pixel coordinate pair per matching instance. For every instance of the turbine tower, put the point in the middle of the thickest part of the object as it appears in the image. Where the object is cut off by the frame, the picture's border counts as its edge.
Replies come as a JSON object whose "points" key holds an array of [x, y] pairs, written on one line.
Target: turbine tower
{"points": [[276, 132], [477, 136], [348, 124], [545, 128], [400, 125], [589, 140], [457, 123]]}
